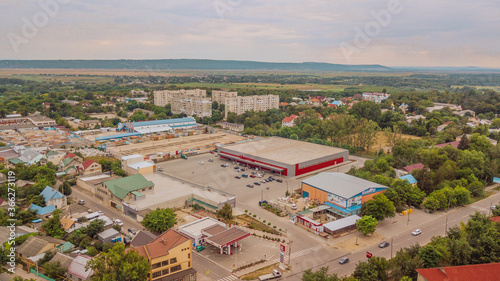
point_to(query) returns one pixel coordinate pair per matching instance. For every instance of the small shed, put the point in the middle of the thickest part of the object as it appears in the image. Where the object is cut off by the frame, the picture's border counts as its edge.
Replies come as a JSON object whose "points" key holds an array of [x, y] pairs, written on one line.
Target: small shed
{"points": [[341, 225], [109, 235]]}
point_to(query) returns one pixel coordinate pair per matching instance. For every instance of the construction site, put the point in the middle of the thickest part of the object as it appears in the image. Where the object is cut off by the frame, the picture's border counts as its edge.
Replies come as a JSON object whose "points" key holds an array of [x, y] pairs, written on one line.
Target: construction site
{"points": [[167, 146], [34, 137]]}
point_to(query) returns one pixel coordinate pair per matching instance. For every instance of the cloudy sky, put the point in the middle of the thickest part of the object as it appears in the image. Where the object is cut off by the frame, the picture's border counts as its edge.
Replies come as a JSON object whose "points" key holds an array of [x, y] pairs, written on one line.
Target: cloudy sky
{"points": [[387, 32]]}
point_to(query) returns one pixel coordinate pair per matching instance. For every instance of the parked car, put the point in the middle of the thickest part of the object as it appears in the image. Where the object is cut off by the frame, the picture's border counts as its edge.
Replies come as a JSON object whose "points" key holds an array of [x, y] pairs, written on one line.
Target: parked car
{"points": [[344, 260], [132, 231], [279, 180], [200, 248], [416, 232], [256, 183], [118, 222], [494, 207], [252, 176], [245, 175], [237, 177], [263, 181], [249, 185], [383, 244], [210, 160], [81, 202]]}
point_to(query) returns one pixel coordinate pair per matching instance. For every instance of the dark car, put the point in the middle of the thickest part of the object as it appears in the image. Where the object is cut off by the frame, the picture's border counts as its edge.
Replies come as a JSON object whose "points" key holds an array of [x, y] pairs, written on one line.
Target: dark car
{"points": [[256, 183], [344, 260], [383, 244], [249, 185], [237, 177], [279, 180]]}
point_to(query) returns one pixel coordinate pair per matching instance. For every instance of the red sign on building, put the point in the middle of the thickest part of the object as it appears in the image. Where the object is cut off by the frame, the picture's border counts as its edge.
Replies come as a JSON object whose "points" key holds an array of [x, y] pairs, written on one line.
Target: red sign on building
{"points": [[282, 248]]}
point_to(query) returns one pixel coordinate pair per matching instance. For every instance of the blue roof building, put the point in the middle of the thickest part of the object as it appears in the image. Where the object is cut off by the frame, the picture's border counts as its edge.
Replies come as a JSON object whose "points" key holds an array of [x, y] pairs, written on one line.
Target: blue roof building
{"points": [[42, 211], [409, 178], [54, 197], [337, 102], [154, 126]]}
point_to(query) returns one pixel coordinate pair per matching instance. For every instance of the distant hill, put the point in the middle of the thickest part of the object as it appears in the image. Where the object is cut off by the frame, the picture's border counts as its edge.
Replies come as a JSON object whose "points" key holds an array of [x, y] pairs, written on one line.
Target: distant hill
{"points": [[166, 64]]}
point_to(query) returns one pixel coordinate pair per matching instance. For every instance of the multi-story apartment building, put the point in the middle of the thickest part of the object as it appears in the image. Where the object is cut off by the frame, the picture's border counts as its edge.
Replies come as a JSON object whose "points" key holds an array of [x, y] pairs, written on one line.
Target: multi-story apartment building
{"points": [[220, 96], [162, 98], [170, 257], [192, 106], [240, 105]]}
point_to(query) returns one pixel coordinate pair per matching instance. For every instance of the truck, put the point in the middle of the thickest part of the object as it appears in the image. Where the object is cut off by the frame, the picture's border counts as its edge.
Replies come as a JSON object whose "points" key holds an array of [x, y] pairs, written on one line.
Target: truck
{"points": [[275, 274]]}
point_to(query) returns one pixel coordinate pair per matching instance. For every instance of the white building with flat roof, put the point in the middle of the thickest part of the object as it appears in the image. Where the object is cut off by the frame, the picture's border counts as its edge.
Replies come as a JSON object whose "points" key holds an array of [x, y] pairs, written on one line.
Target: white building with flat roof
{"points": [[194, 229]]}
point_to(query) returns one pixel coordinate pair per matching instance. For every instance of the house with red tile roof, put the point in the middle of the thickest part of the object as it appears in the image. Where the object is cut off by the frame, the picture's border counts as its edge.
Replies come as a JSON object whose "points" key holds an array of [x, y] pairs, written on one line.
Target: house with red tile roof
{"points": [[289, 121], [410, 168], [495, 219], [489, 271], [170, 256], [90, 167], [453, 143]]}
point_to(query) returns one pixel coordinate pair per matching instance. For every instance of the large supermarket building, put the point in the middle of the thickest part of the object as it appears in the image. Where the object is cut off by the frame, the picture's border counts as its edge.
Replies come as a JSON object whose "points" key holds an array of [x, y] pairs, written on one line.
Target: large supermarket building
{"points": [[286, 157]]}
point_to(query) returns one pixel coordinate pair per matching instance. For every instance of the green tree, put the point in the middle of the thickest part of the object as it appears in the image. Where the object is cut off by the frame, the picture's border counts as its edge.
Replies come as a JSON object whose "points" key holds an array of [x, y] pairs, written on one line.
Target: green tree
{"points": [[367, 225], [53, 226], [405, 262], [225, 213], [374, 270], [95, 227], [54, 270], [65, 188], [379, 208], [430, 256], [159, 220], [464, 143], [118, 265], [319, 275], [366, 109]]}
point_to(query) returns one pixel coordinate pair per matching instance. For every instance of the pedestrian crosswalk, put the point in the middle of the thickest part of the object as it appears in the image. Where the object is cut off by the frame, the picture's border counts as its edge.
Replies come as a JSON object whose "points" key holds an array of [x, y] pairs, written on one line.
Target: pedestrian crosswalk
{"points": [[229, 278], [299, 253]]}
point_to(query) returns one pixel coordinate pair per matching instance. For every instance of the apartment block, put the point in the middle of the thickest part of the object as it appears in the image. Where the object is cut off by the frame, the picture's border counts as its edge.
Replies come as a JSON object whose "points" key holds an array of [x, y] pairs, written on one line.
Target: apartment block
{"points": [[162, 98], [240, 105], [192, 106], [220, 96]]}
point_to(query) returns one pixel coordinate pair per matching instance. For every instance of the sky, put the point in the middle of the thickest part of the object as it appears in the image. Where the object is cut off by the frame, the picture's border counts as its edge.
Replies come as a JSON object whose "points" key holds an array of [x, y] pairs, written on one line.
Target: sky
{"points": [[425, 33]]}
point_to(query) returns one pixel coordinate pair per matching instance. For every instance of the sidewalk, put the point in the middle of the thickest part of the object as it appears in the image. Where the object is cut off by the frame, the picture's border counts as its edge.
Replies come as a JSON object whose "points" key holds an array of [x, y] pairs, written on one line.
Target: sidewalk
{"points": [[19, 272]]}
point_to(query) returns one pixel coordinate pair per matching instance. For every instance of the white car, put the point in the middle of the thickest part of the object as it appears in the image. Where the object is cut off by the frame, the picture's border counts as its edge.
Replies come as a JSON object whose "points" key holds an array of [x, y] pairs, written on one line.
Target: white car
{"points": [[118, 222], [416, 232]]}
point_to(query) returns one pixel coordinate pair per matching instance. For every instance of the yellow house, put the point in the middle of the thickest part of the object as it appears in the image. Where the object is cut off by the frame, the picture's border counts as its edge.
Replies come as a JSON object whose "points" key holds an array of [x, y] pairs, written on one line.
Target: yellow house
{"points": [[170, 257]]}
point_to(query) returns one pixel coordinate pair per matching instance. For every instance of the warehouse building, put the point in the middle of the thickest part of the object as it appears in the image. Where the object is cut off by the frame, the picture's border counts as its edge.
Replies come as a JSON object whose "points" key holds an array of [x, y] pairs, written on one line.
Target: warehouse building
{"points": [[344, 193], [155, 126], [284, 156]]}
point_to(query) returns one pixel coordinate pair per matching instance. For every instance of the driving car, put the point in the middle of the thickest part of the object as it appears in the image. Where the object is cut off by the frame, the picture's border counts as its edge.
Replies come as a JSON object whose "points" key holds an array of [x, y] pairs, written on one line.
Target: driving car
{"points": [[344, 260], [118, 222], [383, 244], [416, 232], [200, 248]]}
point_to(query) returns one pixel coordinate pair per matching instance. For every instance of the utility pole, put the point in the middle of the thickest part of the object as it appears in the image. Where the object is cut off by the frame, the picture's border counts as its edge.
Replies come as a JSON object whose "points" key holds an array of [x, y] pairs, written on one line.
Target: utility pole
{"points": [[446, 226], [408, 222], [262, 195], [290, 252], [392, 243]]}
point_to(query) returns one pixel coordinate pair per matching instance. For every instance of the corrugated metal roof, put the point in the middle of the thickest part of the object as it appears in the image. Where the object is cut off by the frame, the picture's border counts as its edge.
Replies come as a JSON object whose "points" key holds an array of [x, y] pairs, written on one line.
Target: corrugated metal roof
{"points": [[121, 187], [409, 178], [342, 223], [162, 122], [341, 184], [77, 267], [140, 165], [50, 193]]}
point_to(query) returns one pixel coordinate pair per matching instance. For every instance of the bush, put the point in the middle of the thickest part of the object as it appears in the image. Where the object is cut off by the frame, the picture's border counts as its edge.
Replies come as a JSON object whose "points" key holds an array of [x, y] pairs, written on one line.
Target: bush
{"points": [[274, 226], [269, 224], [246, 211], [264, 221], [254, 216]]}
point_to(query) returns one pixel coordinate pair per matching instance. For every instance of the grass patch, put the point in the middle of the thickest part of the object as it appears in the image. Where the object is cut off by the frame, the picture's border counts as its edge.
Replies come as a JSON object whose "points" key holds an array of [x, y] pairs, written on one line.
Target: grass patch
{"points": [[252, 223], [477, 198], [255, 274]]}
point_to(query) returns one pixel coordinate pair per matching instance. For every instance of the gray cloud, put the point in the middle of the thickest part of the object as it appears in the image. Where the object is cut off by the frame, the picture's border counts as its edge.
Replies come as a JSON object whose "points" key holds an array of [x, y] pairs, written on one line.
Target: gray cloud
{"points": [[424, 33]]}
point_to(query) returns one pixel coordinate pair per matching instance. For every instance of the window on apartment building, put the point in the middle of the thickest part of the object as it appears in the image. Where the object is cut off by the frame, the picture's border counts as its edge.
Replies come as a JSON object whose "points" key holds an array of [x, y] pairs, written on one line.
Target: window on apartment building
{"points": [[156, 274], [189, 264], [189, 255], [164, 263], [173, 260], [156, 265], [164, 272], [175, 268]]}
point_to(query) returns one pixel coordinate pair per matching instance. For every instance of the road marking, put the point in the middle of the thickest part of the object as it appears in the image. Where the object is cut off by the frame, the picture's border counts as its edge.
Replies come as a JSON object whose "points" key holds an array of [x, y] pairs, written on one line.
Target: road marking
{"points": [[228, 278], [300, 253]]}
